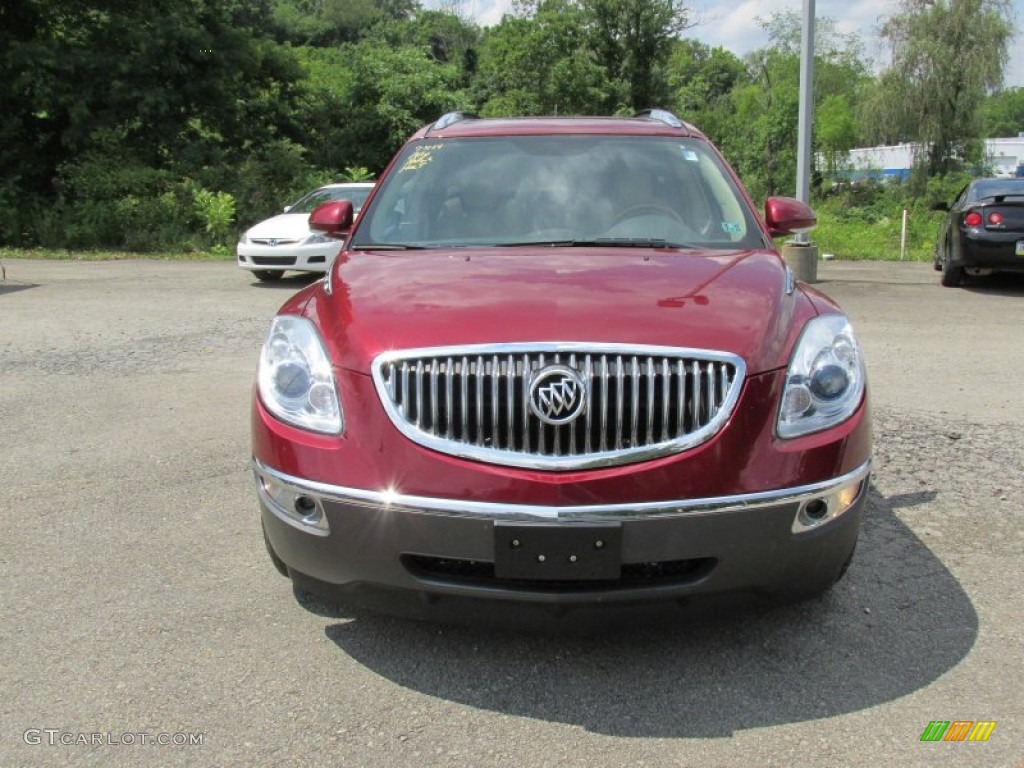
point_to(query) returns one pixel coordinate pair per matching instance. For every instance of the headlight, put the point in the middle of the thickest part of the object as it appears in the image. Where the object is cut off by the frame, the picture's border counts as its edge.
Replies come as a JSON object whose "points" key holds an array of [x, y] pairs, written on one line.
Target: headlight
{"points": [[295, 379], [316, 238], [243, 239], [825, 380]]}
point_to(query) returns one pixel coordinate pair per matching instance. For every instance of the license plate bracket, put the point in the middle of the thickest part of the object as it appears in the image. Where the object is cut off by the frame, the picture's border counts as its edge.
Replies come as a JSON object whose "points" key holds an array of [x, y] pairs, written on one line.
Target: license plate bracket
{"points": [[558, 552]]}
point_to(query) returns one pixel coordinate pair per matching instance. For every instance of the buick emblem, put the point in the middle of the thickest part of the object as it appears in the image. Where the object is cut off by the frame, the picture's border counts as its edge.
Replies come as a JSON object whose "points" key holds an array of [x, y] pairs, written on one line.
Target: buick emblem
{"points": [[557, 394]]}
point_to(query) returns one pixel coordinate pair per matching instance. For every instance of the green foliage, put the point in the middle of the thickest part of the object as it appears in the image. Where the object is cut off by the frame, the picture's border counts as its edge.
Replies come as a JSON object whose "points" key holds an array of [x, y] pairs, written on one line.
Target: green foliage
{"points": [[755, 123], [542, 64], [394, 92], [1002, 114], [835, 131], [216, 210], [166, 126], [633, 41], [358, 173], [865, 221], [947, 55]]}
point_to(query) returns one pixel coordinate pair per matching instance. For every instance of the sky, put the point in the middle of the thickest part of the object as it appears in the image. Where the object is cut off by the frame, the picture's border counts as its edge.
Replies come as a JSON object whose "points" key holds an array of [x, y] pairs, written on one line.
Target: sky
{"points": [[734, 25]]}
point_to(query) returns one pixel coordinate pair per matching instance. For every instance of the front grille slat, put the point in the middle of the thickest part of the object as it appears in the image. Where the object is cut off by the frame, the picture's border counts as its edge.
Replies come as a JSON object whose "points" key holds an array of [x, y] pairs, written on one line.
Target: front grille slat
{"points": [[666, 395], [588, 377], [604, 403], [639, 402], [620, 401], [541, 362], [681, 400], [650, 400], [572, 425], [695, 393]]}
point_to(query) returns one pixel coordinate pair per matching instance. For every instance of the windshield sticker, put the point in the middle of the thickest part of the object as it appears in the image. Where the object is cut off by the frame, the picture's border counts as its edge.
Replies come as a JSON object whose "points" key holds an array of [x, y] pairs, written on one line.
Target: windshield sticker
{"points": [[689, 155], [420, 158], [732, 228]]}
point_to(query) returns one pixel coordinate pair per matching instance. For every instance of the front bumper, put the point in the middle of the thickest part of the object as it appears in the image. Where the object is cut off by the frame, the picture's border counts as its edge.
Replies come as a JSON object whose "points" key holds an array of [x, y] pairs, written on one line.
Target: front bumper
{"points": [[315, 257], [786, 541]]}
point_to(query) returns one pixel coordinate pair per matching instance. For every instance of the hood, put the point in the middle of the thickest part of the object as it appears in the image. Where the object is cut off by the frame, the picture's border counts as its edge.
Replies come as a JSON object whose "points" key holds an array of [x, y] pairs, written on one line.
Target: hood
{"points": [[730, 301], [284, 226]]}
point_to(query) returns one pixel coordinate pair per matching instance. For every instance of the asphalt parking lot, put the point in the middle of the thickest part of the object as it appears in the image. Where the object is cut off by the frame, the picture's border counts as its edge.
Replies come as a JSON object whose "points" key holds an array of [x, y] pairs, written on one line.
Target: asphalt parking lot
{"points": [[139, 606]]}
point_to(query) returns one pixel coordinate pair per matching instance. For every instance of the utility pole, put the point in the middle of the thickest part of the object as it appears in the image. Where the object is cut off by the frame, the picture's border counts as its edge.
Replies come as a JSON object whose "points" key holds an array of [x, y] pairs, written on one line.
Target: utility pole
{"points": [[803, 155], [799, 254]]}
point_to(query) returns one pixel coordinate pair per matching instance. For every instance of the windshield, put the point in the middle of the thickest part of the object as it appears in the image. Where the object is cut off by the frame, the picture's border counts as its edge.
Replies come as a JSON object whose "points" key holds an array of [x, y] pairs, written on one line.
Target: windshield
{"points": [[570, 189], [307, 203]]}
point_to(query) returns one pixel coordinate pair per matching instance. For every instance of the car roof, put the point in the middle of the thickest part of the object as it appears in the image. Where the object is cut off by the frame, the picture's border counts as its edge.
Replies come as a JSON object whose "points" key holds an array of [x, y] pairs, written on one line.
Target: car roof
{"points": [[468, 126], [342, 184]]}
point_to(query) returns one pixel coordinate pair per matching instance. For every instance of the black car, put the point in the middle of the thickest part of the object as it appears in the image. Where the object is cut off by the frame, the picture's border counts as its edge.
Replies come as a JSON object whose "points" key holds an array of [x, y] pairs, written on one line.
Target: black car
{"points": [[983, 231]]}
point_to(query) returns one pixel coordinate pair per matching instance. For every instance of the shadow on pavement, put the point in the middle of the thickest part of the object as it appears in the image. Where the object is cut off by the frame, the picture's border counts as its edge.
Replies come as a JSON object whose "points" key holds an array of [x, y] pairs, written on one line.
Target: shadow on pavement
{"points": [[897, 622], [6, 287], [1003, 284], [290, 282]]}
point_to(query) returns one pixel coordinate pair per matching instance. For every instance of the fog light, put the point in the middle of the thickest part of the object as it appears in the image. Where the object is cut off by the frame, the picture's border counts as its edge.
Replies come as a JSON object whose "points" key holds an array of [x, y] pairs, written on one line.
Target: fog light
{"points": [[818, 511], [292, 505], [308, 510]]}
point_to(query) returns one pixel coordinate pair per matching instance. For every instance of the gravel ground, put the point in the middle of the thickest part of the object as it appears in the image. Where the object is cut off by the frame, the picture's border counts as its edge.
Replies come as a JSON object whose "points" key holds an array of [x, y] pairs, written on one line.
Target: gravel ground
{"points": [[138, 600]]}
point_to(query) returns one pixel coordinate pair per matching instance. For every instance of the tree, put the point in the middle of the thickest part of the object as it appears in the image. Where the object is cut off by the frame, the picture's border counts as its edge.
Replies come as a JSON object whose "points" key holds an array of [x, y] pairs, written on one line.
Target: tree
{"points": [[1002, 114], [759, 135], [946, 56], [835, 131], [700, 80], [106, 104], [331, 22], [394, 92], [538, 61], [633, 40]]}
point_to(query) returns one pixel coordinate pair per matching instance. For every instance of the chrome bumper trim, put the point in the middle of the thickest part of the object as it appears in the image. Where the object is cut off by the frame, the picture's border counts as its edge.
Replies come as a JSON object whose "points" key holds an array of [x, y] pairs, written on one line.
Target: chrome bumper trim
{"points": [[393, 500]]}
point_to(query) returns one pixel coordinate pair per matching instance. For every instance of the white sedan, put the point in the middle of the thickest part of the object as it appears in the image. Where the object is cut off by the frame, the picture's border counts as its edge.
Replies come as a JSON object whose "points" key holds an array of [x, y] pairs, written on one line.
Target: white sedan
{"points": [[285, 242]]}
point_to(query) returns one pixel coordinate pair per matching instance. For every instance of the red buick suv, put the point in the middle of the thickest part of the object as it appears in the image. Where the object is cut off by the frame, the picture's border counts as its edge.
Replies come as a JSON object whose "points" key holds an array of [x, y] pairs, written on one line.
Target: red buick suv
{"points": [[561, 361]]}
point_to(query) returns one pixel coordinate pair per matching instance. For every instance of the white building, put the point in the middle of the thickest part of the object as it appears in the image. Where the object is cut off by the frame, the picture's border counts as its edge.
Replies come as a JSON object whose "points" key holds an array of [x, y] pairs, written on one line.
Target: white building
{"points": [[1005, 157]]}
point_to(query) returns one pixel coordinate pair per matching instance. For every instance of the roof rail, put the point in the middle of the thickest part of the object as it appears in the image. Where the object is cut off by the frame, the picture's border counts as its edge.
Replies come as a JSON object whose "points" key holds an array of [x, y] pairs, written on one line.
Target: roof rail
{"points": [[449, 119], [662, 115]]}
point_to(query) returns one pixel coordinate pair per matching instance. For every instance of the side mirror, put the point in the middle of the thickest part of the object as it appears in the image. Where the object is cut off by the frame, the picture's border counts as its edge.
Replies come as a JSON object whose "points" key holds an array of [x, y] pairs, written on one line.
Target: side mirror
{"points": [[287, 208], [939, 207], [787, 216], [333, 219]]}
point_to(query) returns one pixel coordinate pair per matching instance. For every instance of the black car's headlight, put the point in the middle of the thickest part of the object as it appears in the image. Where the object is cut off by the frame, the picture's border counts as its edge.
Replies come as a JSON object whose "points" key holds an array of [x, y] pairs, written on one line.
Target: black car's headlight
{"points": [[295, 379], [825, 380]]}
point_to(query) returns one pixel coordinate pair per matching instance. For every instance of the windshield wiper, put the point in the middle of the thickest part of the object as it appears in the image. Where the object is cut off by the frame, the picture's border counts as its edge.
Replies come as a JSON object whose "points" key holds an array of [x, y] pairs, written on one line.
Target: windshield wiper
{"points": [[628, 242], [390, 247], [601, 242]]}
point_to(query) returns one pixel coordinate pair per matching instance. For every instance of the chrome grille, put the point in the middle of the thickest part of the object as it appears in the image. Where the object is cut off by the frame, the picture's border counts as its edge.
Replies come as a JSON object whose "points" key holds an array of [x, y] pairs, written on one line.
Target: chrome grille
{"points": [[641, 402]]}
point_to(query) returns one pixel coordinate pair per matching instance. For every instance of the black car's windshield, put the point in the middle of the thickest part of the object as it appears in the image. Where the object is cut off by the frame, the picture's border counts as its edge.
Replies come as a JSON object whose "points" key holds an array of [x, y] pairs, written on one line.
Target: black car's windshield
{"points": [[307, 203], [559, 190]]}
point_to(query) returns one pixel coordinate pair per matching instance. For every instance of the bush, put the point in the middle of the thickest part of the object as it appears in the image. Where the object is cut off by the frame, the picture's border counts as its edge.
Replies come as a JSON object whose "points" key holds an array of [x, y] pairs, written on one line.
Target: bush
{"points": [[865, 220]]}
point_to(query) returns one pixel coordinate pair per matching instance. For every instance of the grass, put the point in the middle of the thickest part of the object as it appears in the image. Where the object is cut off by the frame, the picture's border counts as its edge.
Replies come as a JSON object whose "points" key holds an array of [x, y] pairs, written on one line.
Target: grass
{"points": [[873, 232], [62, 254]]}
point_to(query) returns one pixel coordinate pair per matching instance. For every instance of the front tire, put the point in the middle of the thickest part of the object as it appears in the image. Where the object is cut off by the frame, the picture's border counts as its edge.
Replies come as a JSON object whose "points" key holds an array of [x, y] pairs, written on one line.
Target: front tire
{"points": [[268, 275]]}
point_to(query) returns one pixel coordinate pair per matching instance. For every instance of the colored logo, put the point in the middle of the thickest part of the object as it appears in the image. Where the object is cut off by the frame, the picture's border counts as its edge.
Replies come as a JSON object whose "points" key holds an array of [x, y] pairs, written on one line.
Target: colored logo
{"points": [[958, 730], [557, 395]]}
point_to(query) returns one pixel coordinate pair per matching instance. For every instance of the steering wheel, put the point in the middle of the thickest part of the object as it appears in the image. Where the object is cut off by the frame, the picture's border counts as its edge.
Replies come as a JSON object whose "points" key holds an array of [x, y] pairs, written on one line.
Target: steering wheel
{"points": [[655, 208]]}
